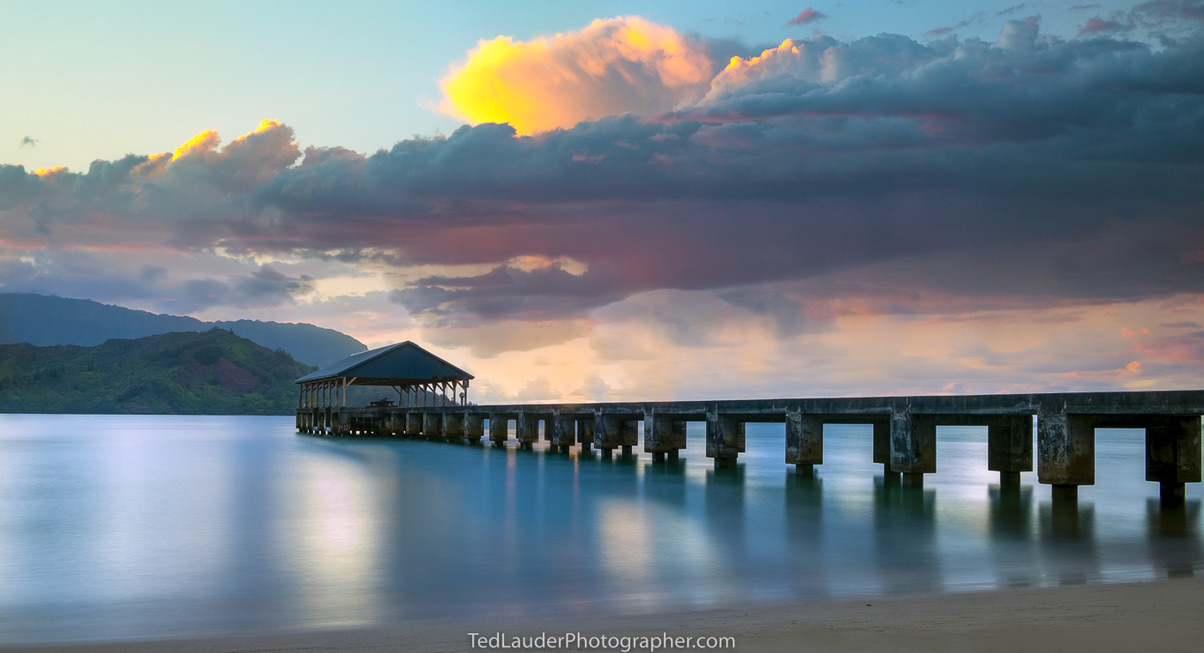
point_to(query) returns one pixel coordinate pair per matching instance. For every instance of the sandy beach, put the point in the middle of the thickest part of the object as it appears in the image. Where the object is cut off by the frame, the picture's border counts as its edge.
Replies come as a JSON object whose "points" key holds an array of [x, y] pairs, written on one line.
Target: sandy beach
{"points": [[1152, 616]]}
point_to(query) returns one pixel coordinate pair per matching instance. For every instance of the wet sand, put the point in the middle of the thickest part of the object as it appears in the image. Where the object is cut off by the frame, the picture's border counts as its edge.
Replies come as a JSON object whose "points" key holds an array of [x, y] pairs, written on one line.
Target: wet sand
{"points": [[1153, 616]]}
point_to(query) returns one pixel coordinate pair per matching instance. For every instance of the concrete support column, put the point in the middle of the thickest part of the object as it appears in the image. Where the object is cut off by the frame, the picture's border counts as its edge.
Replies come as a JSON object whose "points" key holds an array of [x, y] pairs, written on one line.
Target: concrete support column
{"points": [[663, 434], [453, 425], [499, 429], [432, 425], [564, 432], [1010, 448], [1065, 452], [474, 427], [725, 437], [614, 431], [882, 449], [1172, 455], [528, 430], [804, 441], [912, 446], [413, 424], [585, 434]]}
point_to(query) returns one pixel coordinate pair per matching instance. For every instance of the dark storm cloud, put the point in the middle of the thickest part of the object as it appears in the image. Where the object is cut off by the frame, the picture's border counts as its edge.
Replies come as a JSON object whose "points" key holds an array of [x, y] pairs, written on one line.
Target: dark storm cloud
{"points": [[1052, 170], [547, 291], [261, 288]]}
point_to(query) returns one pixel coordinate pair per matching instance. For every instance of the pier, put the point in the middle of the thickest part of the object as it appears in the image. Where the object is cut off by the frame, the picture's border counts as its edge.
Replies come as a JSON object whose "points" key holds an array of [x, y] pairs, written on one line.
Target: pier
{"points": [[904, 429]]}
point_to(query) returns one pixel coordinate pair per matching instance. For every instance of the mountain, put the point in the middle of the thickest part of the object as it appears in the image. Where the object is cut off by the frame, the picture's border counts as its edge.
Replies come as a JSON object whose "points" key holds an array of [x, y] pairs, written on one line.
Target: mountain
{"points": [[211, 372], [49, 320]]}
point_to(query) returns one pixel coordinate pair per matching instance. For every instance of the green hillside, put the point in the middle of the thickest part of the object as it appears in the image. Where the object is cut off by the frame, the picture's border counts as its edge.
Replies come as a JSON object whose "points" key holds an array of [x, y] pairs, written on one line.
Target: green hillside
{"points": [[46, 320], [210, 372]]}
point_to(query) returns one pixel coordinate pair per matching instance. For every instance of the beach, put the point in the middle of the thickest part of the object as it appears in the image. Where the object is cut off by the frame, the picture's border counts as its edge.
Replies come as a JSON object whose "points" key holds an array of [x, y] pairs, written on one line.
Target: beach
{"points": [[1159, 615]]}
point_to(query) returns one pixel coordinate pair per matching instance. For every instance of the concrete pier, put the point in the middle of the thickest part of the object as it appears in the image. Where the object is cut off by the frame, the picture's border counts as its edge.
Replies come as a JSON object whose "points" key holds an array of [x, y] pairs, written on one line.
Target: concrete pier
{"points": [[664, 435], [804, 442], [563, 431], [432, 425], [616, 431], [1066, 449], [585, 433], [528, 430], [414, 424], [499, 428], [725, 437], [1010, 449], [1172, 455], [882, 449], [912, 446], [453, 426], [905, 430], [474, 427]]}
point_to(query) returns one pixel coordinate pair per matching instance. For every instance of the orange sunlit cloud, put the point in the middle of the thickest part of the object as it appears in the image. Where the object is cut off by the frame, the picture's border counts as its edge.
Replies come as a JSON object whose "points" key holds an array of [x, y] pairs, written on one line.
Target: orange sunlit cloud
{"points": [[613, 66]]}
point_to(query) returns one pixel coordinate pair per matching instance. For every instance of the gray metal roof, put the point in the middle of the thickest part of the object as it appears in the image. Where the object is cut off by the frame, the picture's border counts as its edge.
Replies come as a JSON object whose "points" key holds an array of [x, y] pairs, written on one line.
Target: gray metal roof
{"points": [[404, 363]]}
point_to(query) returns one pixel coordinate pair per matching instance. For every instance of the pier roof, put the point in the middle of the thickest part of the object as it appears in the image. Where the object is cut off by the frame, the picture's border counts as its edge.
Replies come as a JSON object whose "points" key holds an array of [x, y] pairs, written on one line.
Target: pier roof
{"points": [[403, 364]]}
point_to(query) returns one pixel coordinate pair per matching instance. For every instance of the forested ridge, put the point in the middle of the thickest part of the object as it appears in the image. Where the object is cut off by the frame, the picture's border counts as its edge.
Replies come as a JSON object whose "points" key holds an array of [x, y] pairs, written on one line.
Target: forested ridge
{"points": [[209, 372]]}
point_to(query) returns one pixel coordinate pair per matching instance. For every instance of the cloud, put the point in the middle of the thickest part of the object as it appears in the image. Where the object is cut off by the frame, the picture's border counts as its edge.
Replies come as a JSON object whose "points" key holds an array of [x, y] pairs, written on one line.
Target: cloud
{"points": [[496, 338], [950, 29], [28, 142], [506, 292], [1164, 18], [806, 17], [613, 66], [814, 196]]}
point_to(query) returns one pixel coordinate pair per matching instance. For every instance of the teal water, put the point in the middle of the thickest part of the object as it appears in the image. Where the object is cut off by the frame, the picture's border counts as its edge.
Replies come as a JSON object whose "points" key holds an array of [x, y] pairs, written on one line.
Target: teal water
{"points": [[157, 526]]}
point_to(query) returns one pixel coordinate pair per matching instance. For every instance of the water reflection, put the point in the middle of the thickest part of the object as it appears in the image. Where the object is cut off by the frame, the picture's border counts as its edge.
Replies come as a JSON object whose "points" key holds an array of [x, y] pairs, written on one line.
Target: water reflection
{"points": [[905, 538], [112, 527], [1174, 537], [803, 515], [1011, 534]]}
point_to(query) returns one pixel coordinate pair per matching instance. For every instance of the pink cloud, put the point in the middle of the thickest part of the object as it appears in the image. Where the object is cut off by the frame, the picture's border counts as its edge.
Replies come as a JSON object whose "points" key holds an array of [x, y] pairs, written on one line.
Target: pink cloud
{"points": [[806, 17], [1100, 26]]}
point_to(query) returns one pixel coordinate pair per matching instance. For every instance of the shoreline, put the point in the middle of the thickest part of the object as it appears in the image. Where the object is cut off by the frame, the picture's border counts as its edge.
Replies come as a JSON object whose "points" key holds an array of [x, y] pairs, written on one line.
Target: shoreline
{"points": [[1158, 615]]}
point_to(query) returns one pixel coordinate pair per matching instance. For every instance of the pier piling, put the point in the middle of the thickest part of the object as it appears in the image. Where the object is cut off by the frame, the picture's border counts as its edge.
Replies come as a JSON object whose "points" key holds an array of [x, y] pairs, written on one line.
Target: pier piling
{"points": [[1172, 456], [904, 430], [616, 431], [1010, 448], [725, 437], [663, 434], [804, 441], [912, 445]]}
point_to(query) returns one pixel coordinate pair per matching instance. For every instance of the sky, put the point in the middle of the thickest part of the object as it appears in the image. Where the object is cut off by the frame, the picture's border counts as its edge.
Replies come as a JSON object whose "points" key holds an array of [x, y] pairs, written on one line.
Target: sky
{"points": [[604, 201]]}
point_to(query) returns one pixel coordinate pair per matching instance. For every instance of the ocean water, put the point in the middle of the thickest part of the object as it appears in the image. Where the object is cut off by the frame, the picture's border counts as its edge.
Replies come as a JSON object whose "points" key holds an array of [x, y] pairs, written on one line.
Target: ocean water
{"points": [[126, 527]]}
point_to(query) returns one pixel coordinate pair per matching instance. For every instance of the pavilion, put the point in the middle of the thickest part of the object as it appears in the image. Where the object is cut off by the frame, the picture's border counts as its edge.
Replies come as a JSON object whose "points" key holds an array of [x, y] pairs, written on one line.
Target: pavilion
{"points": [[419, 377]]}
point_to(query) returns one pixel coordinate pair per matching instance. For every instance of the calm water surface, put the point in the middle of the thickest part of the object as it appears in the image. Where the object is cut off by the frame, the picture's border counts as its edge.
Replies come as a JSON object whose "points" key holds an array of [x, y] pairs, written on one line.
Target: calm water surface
{"points": [[157, 526]]}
